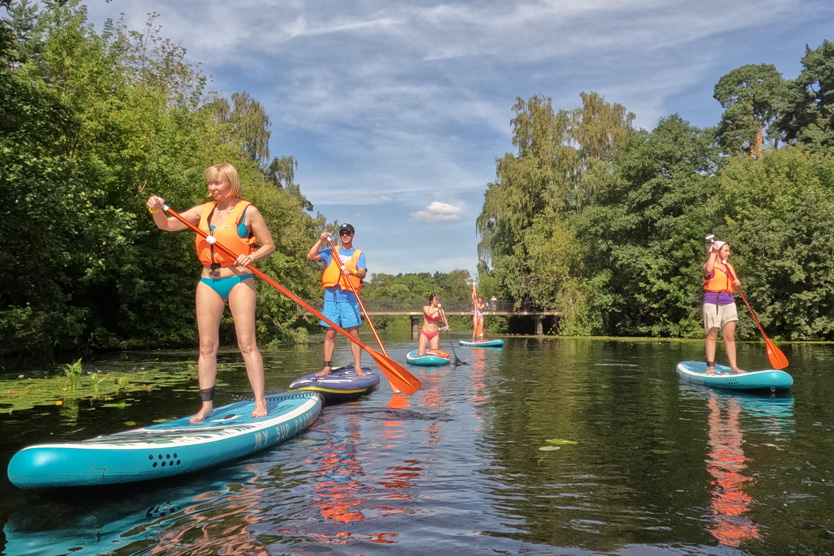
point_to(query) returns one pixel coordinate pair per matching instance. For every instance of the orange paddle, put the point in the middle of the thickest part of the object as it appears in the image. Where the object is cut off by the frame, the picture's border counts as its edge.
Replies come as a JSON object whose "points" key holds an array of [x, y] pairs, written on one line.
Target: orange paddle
{"points": [[399, 377], [774, 354]]}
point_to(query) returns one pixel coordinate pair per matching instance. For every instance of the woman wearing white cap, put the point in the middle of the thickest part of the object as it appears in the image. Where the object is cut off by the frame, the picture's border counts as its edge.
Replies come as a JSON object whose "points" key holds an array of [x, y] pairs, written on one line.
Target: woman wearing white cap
{"points": [[719, 308]]}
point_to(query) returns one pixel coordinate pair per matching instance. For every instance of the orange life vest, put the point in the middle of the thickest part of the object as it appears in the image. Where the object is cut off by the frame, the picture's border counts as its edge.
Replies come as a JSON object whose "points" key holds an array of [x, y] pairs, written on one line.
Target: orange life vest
{"points": [[225, 234], [333, 276], [720, 281]]}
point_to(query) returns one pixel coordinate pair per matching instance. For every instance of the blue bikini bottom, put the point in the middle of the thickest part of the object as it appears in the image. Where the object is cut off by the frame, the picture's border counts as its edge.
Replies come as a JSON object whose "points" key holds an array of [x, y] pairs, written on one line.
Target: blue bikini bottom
{"points": [[224, 285]]}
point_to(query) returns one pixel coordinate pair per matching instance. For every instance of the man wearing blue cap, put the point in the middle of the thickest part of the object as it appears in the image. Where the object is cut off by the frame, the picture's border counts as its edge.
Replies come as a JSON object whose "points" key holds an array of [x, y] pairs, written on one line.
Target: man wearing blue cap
{"points": [[341, 271]]}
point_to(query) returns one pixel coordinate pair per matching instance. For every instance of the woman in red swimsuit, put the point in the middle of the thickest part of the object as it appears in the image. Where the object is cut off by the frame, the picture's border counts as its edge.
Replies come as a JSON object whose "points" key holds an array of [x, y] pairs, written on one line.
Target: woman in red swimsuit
{"points": [[430, 332]]}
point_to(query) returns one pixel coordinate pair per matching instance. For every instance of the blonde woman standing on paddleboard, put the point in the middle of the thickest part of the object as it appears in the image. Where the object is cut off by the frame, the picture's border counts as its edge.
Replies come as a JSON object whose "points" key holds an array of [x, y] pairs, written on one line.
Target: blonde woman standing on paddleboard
{"points": [[719, 309], [239, 226]]}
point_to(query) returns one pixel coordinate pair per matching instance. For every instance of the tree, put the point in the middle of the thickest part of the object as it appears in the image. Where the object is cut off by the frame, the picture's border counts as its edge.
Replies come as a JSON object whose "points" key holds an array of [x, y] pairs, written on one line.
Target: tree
{"points": [[91, 127], [808, 116], [751, 96], [642, 240], [563, 161], [23, 24], [248, 125], [779, 217]]}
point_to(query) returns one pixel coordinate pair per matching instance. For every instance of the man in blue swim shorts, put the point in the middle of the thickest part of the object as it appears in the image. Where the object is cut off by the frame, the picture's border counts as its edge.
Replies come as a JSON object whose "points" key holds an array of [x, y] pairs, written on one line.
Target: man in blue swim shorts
{"points": [[346, 268]]}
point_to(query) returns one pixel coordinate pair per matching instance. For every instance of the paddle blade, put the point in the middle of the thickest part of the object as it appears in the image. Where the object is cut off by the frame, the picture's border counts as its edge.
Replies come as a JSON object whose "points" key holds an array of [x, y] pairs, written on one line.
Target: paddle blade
{"points": [[777, 358], [401, 380]]}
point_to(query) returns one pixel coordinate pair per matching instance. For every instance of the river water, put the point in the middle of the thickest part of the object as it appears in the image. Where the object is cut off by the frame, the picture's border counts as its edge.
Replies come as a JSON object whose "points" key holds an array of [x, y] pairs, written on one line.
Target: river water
{"points": [[635, 462]]}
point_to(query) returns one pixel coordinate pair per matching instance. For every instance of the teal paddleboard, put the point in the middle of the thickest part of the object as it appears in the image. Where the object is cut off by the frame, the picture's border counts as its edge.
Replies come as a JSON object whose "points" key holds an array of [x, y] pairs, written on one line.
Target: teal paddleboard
{"points": [[482, 343], [165, 449], [723, 377], [432, 358]]}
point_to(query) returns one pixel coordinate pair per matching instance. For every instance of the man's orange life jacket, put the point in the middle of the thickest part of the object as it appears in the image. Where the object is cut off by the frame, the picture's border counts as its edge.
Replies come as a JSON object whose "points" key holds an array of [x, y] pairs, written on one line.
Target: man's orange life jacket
{"points": [[333, 276], [226, 234]]}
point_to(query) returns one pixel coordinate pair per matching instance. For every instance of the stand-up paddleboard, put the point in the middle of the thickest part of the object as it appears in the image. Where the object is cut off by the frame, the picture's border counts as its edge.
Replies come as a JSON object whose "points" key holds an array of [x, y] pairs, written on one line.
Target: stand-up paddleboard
{"points": [[341, 385], [723, 377], [165, 449], [432, 358], [482, 343]]}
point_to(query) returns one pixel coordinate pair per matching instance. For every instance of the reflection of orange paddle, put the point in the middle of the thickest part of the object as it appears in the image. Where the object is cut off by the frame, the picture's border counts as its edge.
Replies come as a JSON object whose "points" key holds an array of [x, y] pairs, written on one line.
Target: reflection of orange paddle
{"points": [[726, 462], [397, 375]]}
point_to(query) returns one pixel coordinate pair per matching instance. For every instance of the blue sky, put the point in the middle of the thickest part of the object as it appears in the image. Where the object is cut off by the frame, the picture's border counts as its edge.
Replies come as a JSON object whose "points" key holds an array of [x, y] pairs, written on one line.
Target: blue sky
{"points": [[396, 111]]}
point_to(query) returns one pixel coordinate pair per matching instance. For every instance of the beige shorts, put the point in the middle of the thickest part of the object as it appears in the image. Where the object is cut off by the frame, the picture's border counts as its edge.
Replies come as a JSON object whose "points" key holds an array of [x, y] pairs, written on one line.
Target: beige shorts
{"points": [[718, 316]]}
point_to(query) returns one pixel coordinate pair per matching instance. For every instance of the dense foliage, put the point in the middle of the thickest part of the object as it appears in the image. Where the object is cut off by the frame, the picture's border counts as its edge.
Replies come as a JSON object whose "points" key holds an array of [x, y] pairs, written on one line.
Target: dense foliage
{"points": [[606, 223], [92, 124]]}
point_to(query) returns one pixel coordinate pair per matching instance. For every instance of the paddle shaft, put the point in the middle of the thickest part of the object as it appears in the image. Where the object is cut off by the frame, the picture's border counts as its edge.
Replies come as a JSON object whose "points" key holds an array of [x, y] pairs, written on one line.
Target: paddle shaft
{"points": [[407, 383]]}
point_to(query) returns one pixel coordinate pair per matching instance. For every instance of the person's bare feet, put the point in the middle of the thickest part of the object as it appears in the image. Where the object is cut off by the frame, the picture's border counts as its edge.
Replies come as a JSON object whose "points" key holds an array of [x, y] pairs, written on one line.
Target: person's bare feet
{"points": [[324, 372], [260, 410], [359, 371], [737, 370], [201, 415]]}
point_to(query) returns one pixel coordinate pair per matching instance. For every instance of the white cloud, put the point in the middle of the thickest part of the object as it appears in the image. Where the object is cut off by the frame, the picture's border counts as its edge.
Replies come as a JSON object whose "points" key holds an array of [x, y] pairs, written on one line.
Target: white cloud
{"points": [[439, 212]]}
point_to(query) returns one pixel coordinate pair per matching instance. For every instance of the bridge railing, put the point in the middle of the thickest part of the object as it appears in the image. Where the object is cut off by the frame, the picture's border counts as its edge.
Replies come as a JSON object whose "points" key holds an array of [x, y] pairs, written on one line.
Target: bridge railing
{"points": [[450, 306]]}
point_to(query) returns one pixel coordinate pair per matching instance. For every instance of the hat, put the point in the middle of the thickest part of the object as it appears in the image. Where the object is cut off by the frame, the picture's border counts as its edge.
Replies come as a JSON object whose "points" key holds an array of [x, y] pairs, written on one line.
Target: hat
{"points": [[347, 227], [717, 245]]}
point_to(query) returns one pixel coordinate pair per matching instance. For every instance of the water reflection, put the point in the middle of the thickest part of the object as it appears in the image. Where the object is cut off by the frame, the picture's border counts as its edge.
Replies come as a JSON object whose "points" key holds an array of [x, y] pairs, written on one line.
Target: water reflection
{"points": [[163, 519], [730, 501], [338, 491]]}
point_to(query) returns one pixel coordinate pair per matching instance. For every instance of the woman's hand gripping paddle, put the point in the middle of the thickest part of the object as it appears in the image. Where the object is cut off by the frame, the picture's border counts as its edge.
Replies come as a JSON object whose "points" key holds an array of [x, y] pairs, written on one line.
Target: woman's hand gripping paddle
{"points": [[774, 354], [361, 305], [401, 380]]}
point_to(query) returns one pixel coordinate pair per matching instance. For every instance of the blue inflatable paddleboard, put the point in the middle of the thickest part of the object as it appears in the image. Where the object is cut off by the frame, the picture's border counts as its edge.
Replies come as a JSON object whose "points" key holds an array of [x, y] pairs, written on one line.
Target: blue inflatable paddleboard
{"points": [[341, 385], [482, 343], [723, 377], [165, 449]]}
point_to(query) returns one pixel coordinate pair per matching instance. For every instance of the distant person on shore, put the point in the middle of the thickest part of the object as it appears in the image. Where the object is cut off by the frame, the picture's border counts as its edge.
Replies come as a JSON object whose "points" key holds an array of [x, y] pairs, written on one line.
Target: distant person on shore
{"points": [[719, 309], [239, 226], [340, 303], [478, 307], [494, 302], [430, 331]]}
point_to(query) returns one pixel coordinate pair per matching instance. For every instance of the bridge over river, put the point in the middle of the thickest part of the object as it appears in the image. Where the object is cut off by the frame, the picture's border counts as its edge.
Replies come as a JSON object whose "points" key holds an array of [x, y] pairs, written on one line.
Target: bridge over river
{"points": [[414, 310]]}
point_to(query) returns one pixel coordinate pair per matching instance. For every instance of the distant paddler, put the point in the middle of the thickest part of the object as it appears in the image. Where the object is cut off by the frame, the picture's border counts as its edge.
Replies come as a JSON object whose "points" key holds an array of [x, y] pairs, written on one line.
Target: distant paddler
{"points": [[430, 331]]}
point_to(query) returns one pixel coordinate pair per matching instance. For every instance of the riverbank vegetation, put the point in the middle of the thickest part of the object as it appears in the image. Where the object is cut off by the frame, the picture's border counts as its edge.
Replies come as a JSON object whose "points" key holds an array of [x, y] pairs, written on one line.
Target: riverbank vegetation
{"points": [[588, 216]]}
